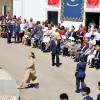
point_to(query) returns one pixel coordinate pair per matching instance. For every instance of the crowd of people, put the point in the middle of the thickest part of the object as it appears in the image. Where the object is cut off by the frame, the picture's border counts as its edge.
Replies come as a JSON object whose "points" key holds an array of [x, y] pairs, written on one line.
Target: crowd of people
{"points": [[82, 45]]}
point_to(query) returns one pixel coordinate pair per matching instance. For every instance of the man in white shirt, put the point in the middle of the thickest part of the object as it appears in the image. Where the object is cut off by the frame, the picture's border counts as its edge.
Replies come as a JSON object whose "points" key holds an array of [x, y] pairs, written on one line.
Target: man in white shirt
{"points": [[88, 35], [97, 37], [46, 42]]}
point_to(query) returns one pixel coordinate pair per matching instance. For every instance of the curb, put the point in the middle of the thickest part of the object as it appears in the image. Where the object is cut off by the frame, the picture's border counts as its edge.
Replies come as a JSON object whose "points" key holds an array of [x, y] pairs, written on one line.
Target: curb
{"points": [[15, 84]]}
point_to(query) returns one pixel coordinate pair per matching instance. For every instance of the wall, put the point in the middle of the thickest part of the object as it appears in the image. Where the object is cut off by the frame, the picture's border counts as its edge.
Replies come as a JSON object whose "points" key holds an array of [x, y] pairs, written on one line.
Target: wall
{"points": [[34, 9], [38, 10], [17, 7], [7, 3]]}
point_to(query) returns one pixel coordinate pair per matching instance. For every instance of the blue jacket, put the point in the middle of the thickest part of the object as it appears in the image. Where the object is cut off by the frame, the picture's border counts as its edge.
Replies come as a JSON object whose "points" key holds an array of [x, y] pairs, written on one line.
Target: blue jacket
{"points": [[16, 28], [9, 27], [80, 70], [87, 98], [55, 48]]}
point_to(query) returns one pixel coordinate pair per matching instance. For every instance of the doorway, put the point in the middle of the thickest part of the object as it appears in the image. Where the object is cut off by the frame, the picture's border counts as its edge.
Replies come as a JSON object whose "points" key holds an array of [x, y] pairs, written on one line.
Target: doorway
{"points": [[92, 16], [53, 17]]}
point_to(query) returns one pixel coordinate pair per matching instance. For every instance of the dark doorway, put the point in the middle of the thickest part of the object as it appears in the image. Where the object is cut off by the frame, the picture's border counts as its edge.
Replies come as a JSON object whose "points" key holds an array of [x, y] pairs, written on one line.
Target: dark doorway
{"points": [[92, 16], [5, 10], [53, 17]]}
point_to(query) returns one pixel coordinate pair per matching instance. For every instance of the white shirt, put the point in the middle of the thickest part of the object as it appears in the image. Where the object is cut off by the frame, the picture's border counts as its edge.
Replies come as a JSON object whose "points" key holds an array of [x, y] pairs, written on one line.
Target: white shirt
{"points": [[22, 27], [53, 30], [45, 29], [49, 32], [97, 36], [88, 34], [93, 42], [46, 39]]}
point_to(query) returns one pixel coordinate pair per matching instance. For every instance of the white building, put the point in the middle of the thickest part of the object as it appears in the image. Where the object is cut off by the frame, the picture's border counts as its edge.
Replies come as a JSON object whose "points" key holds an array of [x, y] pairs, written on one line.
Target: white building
{"points": [[40, 10]]}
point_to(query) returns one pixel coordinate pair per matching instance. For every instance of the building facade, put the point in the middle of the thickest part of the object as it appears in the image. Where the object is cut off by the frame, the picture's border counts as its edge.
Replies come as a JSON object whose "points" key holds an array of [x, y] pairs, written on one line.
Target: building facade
{"points": [[40, 10], [6, 6]]}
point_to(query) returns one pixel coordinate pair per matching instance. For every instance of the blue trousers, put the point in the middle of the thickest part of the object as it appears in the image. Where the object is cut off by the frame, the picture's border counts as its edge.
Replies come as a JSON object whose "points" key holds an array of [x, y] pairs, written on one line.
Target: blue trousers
{"points": [[65, 51], [78, 81]]}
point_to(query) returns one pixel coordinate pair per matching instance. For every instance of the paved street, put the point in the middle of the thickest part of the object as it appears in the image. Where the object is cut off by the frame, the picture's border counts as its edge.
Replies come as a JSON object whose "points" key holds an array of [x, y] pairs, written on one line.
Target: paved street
{"points": [[53, 81]]}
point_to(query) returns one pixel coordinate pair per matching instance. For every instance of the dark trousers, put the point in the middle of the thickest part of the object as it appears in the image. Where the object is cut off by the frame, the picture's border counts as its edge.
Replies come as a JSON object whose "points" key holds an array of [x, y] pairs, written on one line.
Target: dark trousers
{"points": [[21, 35], [9, 37], [16, 37], [96, 63], [43, 46], [98, 42], [28, 41], [65, 51], [57, 58], [78, 81], [36, 42]]}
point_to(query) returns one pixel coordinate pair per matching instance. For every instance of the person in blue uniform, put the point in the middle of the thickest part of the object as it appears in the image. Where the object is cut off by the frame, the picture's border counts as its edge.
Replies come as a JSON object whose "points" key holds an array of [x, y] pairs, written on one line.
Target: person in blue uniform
{"points": [[9, 31], [55, 50], [16, 31], [80, 75], [85, 93], [98, 96]]}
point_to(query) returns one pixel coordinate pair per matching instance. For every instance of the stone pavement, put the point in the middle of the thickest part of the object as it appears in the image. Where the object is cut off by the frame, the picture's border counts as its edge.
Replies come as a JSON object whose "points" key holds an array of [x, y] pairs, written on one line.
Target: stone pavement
{"points": [[8, 90], [53, 81]]}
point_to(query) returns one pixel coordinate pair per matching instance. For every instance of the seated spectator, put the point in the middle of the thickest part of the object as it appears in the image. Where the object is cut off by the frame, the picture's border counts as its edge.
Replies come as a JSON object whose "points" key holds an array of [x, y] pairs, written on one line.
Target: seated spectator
{"points": [[28, 39], [80, 35], [98, 96], [97, 37], [89, 59], [92, 40], [72, 32], [85, 93], [37, 37], [75, 48], [46, 43], [67, 47], [26, 35], [85, 47], [63, 96], [45, 30], [67, 33], [96, 59], [63, 42], [80, 27], [87, 36], [62, 32], [49, 31], [57, 34], [88, 52]]}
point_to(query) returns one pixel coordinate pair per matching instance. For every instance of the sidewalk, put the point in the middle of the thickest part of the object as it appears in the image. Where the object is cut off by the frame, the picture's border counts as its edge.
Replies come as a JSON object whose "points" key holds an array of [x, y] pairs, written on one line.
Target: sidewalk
{"points": [[8, 86]]}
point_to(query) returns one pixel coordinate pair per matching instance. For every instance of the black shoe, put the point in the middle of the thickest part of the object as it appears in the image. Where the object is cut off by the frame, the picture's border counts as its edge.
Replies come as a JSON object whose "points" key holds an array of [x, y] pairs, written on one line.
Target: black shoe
{"points": [[97, 68], [77, 91], [57, 65], [53, 64]]}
